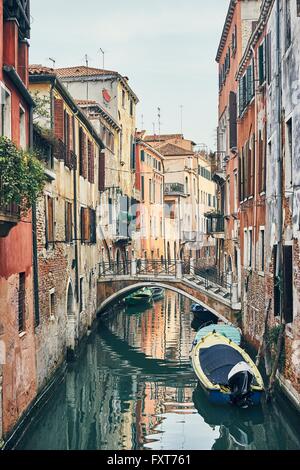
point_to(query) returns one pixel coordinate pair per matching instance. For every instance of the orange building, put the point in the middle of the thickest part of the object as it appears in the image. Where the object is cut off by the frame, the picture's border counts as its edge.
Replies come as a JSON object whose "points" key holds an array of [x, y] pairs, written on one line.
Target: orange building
{"points": [[240, 20], [151, 212], [252, 146]]}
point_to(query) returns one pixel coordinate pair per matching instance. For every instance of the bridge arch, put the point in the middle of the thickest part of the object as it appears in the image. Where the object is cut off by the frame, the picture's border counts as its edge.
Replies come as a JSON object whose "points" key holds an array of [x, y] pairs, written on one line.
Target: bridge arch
{"points": [[122, 292]]}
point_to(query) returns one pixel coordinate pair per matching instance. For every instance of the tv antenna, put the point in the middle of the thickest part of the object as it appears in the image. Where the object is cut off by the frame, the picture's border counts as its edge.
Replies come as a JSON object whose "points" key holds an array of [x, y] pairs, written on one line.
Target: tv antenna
{"points": [[53, 62]]}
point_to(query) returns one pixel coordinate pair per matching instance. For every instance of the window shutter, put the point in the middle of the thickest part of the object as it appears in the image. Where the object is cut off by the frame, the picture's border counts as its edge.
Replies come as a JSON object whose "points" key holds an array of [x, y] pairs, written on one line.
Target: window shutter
{"points": [[82, 222], [252, 156], [276, 293], [92, 215], [101, 172], [83, 151], [261, 62], [59, 119], [50, 237], [288, 283], [240, 176], [233, 119]]}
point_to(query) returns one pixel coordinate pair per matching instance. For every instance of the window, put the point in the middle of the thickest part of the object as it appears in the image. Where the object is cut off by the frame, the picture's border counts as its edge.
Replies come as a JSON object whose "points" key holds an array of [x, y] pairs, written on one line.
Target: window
{"points": [[288, 25], [85, 224], [123, 98], [289, 154], [150, 190], [262, 249], [81, 295], [69, 222], [228, 196], [101, 172], [232, 120], [234, 41], [143, 188], [269, 57], [110, 210], [91, 162], [93, 228], [288, 283], [298, 7], [170, 210], [22, 128], [154, 190], [250, 249], [52, 302], [131, 107], [142, 155], [82, 154], [49, 216], [262, 148], [262, 63], [246, 88], [186, 185], [5, 113], [21, 302], [235, 197], [132, 153], [245, 248], [276, 284]]}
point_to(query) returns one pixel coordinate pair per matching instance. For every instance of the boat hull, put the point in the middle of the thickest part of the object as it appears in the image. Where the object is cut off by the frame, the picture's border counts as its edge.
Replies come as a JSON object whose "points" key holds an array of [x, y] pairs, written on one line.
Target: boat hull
{"points": [[217, 397]]}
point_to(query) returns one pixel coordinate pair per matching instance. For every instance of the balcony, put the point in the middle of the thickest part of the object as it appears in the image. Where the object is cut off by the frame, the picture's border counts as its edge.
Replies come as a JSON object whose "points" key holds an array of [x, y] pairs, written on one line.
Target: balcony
{"points": [[172, 189], [215, 224], [9, 217], [19, 9], [219, 167], [189, 236]]}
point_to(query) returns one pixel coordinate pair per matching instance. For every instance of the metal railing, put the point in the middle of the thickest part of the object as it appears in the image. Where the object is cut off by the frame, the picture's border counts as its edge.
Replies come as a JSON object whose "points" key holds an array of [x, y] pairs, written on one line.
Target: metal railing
{"points": [[209, 279], [174, 188]]}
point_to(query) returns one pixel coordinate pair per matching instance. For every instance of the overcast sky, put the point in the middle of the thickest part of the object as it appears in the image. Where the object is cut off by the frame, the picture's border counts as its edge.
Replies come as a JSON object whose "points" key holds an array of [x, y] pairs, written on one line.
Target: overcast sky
{"points": [[167, 48]]}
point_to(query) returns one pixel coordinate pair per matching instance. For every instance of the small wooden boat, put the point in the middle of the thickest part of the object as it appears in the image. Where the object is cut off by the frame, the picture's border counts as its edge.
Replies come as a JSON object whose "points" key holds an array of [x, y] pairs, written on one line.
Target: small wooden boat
{"points": [[225, 329], [141, 296], [226, 371], [203, 313], [157, 293]]}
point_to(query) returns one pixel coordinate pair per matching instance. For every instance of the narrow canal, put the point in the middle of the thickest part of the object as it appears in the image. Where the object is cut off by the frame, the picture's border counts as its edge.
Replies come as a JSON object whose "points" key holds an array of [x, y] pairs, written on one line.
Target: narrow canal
{"points": [[133, 388]]}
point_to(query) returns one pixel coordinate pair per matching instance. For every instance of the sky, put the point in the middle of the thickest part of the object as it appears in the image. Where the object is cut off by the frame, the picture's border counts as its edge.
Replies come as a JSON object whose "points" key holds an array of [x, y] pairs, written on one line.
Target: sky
{"points": [[166, 48]]}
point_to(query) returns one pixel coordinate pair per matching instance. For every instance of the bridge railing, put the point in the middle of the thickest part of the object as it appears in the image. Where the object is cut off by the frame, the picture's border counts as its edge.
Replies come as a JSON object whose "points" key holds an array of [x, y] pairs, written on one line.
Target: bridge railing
{"points": [[210, 279], [156, 267]]}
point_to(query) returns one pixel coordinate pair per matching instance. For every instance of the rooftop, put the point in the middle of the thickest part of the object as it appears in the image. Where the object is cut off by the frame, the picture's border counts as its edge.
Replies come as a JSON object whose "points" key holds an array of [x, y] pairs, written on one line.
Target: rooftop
{"points": [[82, 71], [173, 150]]}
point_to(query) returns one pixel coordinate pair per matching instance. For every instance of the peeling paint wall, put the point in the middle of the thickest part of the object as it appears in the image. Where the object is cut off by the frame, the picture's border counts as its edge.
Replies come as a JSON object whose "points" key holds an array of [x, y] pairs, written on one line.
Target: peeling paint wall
{"points": [[290, 88]]}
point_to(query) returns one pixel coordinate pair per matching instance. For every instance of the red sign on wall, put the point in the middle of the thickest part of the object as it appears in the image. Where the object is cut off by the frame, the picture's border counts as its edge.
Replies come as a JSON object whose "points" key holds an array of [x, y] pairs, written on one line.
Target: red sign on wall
{"points": [[106, 95]]}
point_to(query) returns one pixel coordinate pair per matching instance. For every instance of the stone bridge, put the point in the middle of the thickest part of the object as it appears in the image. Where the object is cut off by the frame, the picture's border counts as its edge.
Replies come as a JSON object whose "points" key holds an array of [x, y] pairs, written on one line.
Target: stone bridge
{"points": [[115, 282]]}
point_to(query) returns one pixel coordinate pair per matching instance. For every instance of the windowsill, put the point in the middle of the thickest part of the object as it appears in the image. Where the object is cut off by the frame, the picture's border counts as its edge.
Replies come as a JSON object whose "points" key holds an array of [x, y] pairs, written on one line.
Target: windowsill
{"points": [[261, 273], [288, 332], [263, 193], [22, 334]]}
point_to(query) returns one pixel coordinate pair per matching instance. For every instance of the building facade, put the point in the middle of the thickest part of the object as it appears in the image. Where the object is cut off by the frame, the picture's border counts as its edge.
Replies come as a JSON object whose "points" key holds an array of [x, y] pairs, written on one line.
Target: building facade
{"points": [[112, 92], [17, 319], [240, 21], [68, 244], [151, 209]]}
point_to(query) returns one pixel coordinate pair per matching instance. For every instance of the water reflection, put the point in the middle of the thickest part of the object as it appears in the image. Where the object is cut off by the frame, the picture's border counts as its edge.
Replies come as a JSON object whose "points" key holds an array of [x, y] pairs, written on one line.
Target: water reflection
{"points": [[133, 388]]}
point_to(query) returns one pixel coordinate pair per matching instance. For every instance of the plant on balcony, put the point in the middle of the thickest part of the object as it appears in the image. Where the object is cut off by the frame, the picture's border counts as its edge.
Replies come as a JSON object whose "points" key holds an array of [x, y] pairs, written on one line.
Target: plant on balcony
{"points": [[21, 175]]}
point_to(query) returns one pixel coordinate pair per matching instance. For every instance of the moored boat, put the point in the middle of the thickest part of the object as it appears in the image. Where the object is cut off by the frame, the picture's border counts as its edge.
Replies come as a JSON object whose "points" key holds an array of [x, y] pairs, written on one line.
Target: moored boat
{"points": [[226, 371], [141, 296], [157, 293], [225, 329], [203, 313]]}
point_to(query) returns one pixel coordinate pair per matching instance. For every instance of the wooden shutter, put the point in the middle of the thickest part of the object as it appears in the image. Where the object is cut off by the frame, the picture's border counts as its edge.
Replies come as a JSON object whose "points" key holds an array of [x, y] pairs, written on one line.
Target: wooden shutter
{"points": [[232, 120], [252, 155], [276, 291], [59, 119], [92, 220], [91, 163], [101, 172], [85, 224], [240, 178], [288, 283], [68, 222], [82, 153]]}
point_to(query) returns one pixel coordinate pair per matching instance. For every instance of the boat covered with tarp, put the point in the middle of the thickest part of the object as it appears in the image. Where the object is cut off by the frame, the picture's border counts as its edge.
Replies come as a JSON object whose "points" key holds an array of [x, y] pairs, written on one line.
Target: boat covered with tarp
{"points": [[141, 296], [226, 329], [226, 371]]}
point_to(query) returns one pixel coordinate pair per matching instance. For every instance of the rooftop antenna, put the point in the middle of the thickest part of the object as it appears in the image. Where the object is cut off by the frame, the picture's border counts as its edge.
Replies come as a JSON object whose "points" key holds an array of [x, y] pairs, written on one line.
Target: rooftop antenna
{"points": [[142, 122], [153, 123], [53, 62], [158, 115], [181, 114], [87, 83], [103, 61]]}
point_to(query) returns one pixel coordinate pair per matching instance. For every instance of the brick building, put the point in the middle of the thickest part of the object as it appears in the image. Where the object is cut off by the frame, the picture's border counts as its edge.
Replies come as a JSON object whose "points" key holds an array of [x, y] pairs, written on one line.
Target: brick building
{"points": [[17, 321], [68, 238], [240, 21]]}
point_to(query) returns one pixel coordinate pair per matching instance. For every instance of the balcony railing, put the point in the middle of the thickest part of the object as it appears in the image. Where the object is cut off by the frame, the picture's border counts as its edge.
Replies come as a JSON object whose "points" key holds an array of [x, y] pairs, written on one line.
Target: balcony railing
{"points": [[215, 223], [174, 188], [189, 236], [9, 217]]}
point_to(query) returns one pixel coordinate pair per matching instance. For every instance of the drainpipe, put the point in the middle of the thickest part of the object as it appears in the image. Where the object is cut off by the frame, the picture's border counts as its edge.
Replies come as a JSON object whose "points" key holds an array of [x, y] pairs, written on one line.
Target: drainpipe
{"points": [[279, 153], [75, 219], [34, 240], [256, 78]]}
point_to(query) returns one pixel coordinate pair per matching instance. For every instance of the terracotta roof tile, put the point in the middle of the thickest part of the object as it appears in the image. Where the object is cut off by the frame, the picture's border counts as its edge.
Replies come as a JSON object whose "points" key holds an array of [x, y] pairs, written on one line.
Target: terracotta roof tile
{"points": [[172, 150], [82, 71], [162, 138], [39, 69]]}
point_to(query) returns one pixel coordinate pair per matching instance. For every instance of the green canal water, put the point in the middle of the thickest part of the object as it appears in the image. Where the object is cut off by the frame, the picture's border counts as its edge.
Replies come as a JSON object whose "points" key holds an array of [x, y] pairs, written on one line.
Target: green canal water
{"points": [[133, 388]]}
